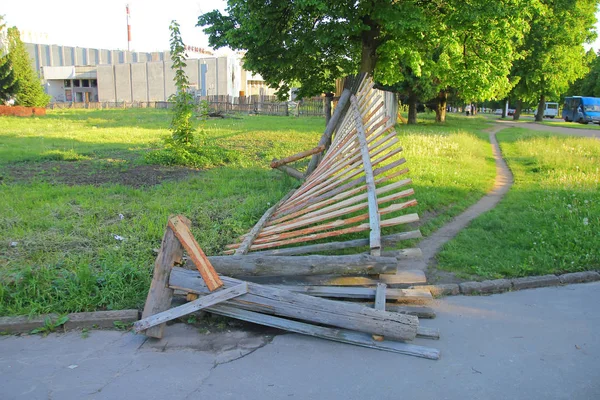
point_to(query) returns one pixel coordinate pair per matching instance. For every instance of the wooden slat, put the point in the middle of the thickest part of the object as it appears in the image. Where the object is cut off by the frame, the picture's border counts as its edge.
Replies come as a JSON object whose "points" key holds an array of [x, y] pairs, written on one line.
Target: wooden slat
{"points": [[337, 335], [380, 296], [193, 249], [297, 156], [388, 240], [188, 308], [249, 238]]}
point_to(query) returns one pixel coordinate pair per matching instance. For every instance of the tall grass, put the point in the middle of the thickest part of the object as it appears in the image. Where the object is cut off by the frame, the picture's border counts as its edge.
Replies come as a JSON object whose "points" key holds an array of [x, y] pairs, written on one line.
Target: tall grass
{"points": [[549, 222]]}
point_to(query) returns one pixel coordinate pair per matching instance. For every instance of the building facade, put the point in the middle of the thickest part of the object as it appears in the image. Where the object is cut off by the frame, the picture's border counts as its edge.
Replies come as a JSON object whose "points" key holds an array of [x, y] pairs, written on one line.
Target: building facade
{"points": [[75, 74]]}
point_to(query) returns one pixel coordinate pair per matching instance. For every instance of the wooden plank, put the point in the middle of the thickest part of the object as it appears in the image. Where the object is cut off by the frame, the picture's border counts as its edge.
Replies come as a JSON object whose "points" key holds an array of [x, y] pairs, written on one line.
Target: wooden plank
{"points": [[409, 309], [196, 254], [270, 300], [345, 292], [404, 254], [403, 219], [404, 277], [388, 240], [258, 265], [297, 156], [337, 335], [160, 295], [188, 308], [249, 238], [339, 111], [380, 296]]}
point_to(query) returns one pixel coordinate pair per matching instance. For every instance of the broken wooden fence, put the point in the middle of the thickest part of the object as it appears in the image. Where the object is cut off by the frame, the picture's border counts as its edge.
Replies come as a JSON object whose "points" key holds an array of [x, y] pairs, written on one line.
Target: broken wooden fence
{"points": [[351, 185]]}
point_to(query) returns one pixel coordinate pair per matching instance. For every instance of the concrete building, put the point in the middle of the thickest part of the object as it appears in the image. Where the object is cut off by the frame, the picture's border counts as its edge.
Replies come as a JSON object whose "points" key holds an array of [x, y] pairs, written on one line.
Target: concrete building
{"points": [[75, 74]]}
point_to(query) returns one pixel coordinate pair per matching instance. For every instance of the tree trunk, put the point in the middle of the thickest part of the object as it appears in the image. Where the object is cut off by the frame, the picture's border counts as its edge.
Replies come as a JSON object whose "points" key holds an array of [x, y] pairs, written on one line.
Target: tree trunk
{"points": [[539, 117], [473, 108], [328, 99], [412, 108], [370, 42], [517, 114], [440, 109], [504, 107]]}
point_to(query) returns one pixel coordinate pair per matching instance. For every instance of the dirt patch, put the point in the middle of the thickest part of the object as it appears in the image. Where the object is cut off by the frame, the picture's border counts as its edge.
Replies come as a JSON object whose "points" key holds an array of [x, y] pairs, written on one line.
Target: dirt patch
{"points": [[95, 172]]}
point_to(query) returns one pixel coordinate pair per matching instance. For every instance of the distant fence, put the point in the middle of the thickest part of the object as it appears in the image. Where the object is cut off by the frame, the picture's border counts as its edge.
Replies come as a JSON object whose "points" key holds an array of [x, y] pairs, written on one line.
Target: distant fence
{"points": [[264, 105]]}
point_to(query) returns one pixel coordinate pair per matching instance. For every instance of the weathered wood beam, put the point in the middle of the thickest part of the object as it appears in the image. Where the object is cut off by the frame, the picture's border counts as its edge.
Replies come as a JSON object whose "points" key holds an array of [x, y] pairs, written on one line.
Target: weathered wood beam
{"points": [[375, 234], [257, 265], [270, 300], [294, 173], [337, 335], [344, 292], [325, 141], [188, 308], [298, 156]]}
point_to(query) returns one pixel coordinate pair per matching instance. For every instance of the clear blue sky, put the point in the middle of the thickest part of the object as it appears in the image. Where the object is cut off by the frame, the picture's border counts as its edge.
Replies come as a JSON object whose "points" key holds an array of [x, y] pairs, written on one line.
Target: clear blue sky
{"points": [[102, 24]]}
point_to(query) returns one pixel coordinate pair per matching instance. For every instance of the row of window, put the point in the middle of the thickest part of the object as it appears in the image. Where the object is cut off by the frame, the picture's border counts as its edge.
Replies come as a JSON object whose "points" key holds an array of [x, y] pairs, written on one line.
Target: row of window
{"points": [[81, 83]]}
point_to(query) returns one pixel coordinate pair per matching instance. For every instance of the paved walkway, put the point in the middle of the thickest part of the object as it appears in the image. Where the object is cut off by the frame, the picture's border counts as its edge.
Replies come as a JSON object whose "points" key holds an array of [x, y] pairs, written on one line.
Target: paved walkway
{"points": [[532, 344]]}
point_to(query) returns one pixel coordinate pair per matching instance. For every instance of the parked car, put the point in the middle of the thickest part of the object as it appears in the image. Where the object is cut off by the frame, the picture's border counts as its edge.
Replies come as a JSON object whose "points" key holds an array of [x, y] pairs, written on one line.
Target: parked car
{"points": [[511, 111]]}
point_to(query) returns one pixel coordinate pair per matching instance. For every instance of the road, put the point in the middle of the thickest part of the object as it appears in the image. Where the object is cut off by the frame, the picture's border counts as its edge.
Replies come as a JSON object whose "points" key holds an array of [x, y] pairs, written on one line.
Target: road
{"points": [[533, 344]]}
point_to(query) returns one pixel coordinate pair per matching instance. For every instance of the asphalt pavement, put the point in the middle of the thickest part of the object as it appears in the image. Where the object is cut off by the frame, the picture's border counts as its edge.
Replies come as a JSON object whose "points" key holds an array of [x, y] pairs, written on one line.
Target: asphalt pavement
{"points": [[532, 344]]}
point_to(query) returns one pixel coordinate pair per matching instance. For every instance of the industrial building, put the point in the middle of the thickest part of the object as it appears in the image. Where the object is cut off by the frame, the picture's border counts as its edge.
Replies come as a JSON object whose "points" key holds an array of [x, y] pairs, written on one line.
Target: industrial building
{"points": [[75, 74]]}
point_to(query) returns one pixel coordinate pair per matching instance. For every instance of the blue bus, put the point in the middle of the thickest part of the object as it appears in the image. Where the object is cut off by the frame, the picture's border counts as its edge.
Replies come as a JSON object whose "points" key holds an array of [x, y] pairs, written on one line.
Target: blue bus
{"points": [[581, 109]]}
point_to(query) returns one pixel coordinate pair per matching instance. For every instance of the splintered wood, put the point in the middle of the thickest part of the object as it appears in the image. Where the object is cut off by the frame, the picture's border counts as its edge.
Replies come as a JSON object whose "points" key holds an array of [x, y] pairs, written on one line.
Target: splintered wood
{"points": [[352, 189]]}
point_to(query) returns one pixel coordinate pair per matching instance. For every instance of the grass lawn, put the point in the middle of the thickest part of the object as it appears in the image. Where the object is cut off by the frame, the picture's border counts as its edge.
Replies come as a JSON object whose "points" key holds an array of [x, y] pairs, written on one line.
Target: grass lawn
{"points": [[549, 222], [75, 179]]}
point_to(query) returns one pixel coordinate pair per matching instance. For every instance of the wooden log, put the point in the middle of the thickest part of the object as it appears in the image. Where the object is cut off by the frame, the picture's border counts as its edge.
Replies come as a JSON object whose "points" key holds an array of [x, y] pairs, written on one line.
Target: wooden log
{"points": [[257, 265], [416, 310], [160, 295], [404, 254], [249, 238], [340, 109], [297, 156], [270, 300], [294, 173], [196, 254], [337, 335], [388, 240], [188, 308], [345, 292]]}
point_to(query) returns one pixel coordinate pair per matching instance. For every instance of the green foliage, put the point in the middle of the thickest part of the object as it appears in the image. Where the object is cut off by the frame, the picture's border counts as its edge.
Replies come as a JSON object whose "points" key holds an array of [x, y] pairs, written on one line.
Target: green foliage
{"points": [[183, 111], [50, 326], [547, 223], [552, 54], [589, 85], [30, 92], [8, 81]]}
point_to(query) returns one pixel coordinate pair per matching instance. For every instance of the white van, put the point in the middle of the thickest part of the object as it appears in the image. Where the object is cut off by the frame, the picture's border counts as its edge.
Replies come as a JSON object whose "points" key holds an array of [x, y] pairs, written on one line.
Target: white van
{"points": [[551, 110]]}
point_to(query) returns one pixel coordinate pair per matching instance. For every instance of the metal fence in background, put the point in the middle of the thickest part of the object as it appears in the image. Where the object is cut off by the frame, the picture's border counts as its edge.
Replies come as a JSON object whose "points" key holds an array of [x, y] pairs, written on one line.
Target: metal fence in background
{"points": [[262, 105]]}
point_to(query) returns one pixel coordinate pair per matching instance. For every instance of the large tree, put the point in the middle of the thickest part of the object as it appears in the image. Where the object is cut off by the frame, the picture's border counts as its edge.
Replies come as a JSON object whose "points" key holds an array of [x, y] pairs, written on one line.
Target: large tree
{"points": [[589, 85], [8, 81], [30, 92], [312, 42], [553, 55]]}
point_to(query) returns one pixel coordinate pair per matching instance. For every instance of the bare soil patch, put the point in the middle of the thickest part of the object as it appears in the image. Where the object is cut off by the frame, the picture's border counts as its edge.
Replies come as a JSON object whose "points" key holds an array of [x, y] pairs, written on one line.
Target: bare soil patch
{"points": [[94, 172]]}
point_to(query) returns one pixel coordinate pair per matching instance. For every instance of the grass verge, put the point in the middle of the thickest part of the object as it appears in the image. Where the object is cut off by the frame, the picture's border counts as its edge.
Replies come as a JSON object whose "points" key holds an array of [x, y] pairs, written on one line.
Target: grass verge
{"points": [[75, 185], [549, 222]]}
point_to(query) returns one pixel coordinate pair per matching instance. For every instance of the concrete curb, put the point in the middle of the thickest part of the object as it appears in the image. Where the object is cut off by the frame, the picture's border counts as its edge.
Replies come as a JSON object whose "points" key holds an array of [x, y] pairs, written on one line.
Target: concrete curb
{"points": [[506, 285], [96, 319]]}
